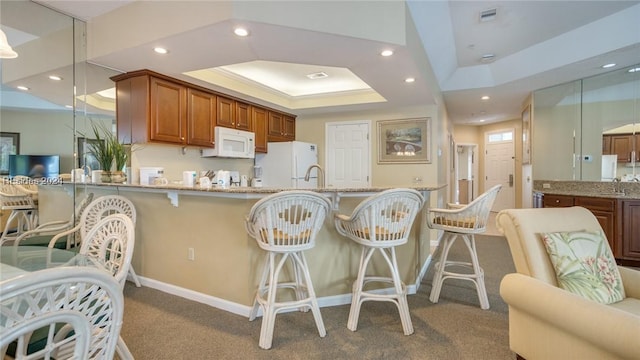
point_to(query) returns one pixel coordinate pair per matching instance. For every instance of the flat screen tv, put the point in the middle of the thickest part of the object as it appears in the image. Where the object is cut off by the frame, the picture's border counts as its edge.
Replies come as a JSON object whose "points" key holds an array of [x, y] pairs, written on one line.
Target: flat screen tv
{"points": [[34, 166]]}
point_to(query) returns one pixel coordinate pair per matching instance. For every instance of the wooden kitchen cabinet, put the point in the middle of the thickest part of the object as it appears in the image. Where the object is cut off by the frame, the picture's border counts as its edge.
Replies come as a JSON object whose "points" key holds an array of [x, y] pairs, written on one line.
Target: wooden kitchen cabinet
{"points": [[619, 219], [281, 127], [151, 107], [629, 240], [622, 145], [602, 208], [606, 144], [259, 116], [168, 113], [201, 115]]}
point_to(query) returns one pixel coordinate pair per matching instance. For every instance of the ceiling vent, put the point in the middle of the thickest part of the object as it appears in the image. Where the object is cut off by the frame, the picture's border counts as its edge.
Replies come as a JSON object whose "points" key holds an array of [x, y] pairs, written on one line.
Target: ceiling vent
{"points": [[318, 75], [487, 58], [488, 15]]}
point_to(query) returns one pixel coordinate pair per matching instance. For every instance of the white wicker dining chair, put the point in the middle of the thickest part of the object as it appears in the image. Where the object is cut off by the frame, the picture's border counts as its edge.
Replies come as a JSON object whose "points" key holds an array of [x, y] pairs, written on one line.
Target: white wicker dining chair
{"points": [[98, 209], [380, 223], [285, 224], [89, 302], [43, 234], [111, 242], [22, 206], [461, 221]]}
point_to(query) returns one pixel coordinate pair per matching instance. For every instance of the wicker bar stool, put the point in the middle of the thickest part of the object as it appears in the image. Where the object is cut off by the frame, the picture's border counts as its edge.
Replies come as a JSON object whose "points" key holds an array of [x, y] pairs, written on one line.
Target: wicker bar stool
{"points": [[464, 221], [381, 222], [285, 224]]}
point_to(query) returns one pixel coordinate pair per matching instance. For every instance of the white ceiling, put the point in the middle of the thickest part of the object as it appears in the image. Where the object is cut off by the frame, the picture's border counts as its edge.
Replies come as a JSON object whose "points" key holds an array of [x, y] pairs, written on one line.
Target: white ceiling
{"points": [[536, 44]]}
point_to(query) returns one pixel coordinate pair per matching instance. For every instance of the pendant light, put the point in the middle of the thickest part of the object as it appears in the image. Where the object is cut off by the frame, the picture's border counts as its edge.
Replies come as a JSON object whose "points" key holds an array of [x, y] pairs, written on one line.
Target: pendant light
{"points": [[6, 52]]}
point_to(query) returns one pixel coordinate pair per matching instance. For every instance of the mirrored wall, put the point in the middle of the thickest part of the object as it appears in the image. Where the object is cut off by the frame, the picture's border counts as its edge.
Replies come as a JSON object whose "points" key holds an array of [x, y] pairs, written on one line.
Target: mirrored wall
{"points": [[588, 129], [50, 93]]}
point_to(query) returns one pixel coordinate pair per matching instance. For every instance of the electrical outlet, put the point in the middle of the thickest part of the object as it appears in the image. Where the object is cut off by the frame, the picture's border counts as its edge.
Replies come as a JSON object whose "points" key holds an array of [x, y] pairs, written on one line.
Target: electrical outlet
{"points": [[546, 186], [191, 254]]}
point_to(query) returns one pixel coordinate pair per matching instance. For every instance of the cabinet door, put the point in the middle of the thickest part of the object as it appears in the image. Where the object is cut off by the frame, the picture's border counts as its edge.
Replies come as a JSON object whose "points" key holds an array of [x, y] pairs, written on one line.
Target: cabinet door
{"points": [[289, 127], [606, 144], [168, 112], [226, 114], [622, 146], [243, 116], [630, 229], [275, 125], [201, 117], [259, 117]]}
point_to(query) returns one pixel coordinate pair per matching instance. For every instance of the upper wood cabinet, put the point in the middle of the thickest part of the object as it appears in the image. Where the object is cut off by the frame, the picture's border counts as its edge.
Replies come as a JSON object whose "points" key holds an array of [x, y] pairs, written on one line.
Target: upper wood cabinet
{"points": [[625, 146], [152, 107], [259, 116], [168, 115], [243, 116], [281, 127], [201, 114]]}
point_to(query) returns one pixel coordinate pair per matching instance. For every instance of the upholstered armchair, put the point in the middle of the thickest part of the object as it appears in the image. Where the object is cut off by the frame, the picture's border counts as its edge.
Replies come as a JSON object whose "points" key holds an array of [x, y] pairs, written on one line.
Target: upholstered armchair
{"points": [[546, 320]]}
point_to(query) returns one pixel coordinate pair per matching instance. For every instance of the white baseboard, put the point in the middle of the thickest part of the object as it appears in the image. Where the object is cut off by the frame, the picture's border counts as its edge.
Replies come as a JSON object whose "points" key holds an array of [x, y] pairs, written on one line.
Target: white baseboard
{"points": [[244, 310]]}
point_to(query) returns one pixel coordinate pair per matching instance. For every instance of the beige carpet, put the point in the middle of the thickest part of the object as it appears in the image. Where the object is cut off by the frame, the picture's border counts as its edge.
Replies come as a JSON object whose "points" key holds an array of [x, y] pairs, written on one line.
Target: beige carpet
{"points": [[161, 326]]}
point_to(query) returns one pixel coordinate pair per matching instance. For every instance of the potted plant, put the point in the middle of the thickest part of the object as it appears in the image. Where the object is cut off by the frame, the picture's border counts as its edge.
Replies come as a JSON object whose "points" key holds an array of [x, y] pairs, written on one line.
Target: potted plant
{"points": [[120, 156], [102, 149]]}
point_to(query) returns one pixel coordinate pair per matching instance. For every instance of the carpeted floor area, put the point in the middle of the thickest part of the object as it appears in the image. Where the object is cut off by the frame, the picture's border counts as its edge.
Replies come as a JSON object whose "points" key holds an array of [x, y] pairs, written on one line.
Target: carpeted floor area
{"points": [[162, 326]]}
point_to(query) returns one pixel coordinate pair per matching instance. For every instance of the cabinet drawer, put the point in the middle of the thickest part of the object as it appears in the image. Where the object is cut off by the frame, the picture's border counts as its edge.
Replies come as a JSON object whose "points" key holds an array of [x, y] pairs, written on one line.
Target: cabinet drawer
{"points": [[557, 200], [601, 204]]}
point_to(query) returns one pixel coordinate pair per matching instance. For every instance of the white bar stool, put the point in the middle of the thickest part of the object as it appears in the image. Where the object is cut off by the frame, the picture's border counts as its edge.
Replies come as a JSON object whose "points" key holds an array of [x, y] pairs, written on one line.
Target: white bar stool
{"points": [[464, 221], [284, 225], [381, 222]]}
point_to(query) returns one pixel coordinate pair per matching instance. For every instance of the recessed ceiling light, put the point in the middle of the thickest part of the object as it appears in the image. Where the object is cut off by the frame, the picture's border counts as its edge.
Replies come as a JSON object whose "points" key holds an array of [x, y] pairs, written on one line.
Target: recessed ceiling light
{"points": [[241, 31], [482, 120], [486, 97], [632, 70], [55, 77], [23, 88], [409, 80], [160, 50], [610, 65], [387, 53]]}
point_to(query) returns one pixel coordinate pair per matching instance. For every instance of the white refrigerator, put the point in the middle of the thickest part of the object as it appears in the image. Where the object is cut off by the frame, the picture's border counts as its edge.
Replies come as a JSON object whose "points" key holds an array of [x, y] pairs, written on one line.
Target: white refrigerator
{"points": [[286, 163]]}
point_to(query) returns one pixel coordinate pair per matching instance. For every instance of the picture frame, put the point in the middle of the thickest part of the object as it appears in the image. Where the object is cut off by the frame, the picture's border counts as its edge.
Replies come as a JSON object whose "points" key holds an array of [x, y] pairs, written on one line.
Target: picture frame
{"points": [[85, 157], [9, 145], [406, 141], [526, 135]]}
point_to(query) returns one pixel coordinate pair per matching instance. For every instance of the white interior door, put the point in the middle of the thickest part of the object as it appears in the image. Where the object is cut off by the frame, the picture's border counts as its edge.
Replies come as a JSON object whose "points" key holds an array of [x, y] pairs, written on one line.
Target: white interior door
{"points": [[348, 154], [499, 167]]}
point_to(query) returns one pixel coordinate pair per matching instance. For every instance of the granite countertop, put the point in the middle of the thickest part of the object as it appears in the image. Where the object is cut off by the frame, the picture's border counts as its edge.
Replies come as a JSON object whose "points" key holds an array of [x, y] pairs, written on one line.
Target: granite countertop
{"points": [[628, 190], [252, 190]]}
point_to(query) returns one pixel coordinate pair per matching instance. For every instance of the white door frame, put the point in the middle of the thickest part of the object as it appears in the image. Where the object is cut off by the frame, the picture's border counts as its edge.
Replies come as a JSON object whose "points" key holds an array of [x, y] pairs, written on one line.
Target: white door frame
{"points": [[474, 170]]}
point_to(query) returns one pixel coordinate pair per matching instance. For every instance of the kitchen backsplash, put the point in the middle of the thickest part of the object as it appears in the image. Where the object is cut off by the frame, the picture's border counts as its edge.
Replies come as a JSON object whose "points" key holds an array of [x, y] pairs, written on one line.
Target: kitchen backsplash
{"points": [[175, 161]]}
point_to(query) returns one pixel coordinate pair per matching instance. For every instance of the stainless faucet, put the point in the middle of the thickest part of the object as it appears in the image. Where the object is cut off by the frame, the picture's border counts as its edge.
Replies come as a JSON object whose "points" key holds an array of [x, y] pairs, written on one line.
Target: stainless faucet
{"points": [[616, 185], [320, 174]]}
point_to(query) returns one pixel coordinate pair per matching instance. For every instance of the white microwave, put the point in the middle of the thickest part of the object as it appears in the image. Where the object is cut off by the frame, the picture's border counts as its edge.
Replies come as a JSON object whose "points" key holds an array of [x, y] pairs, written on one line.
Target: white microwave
{"points": [[232, 143]]}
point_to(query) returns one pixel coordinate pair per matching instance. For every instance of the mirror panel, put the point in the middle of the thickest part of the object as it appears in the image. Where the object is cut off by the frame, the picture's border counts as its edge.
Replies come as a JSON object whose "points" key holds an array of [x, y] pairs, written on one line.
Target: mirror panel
{"points": [[588, 129]]}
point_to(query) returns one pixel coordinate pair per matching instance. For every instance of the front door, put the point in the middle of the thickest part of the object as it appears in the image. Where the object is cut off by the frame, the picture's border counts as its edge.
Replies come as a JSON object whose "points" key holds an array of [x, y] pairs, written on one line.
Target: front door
{"points": [[348, 154], [499, 167]]}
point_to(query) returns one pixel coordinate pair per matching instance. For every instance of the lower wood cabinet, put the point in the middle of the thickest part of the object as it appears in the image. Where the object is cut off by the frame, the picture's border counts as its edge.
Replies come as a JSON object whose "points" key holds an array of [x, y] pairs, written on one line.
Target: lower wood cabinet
{"points": [[629, 238], [619, 219]]}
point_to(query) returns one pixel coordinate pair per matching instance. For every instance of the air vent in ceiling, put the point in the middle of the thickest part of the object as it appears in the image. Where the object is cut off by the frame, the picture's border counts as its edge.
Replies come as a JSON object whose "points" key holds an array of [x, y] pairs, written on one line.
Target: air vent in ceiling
{"points": [[488, 15], [318, 75], [487, 58]]}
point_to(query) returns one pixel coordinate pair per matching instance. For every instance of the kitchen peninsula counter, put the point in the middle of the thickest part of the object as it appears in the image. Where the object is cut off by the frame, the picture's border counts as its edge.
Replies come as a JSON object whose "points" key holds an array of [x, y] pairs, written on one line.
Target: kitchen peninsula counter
{"points": [[224, 271]]}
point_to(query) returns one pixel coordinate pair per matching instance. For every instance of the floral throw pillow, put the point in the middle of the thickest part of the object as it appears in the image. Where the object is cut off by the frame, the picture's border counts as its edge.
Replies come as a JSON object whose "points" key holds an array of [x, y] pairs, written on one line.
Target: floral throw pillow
{"points": [[584, 265]]}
